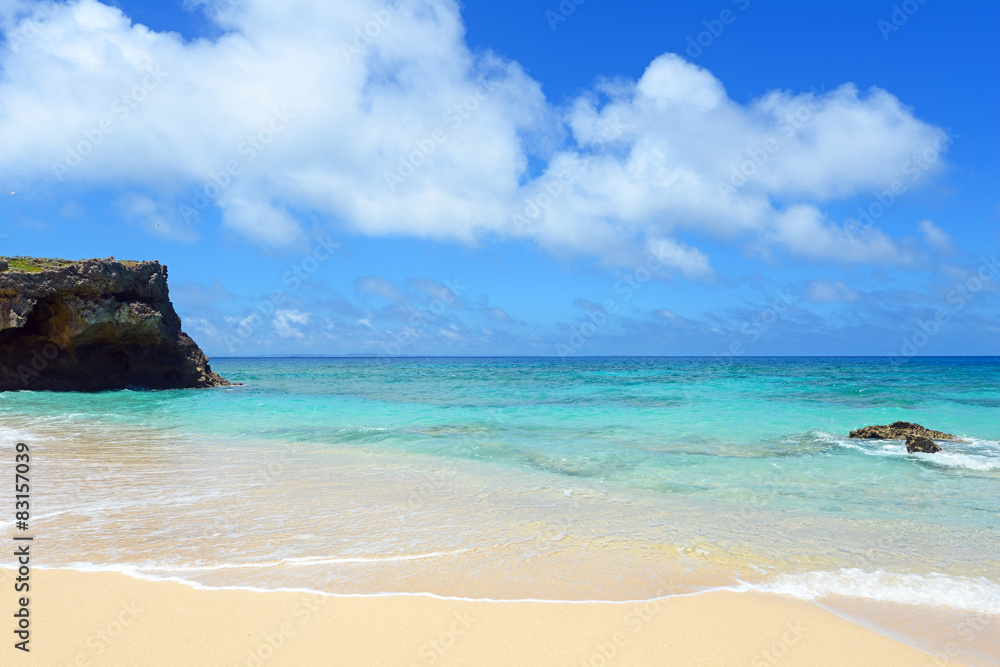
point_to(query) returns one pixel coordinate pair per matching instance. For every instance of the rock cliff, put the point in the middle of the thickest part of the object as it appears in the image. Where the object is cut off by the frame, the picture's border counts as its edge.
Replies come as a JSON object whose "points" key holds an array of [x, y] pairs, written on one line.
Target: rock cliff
{"points": [[93, 325]]}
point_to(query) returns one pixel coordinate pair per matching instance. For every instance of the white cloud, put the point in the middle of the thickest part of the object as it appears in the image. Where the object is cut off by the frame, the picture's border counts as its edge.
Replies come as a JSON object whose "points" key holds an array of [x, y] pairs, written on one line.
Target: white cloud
{"points": [[154, 217], [451, 335], [499, 314], [378, 287], [200, 326], [691, 262], [412, 133], [715, 166], [285, 320], [826, 291], [671, 82], [936, 237], [805, 233]]}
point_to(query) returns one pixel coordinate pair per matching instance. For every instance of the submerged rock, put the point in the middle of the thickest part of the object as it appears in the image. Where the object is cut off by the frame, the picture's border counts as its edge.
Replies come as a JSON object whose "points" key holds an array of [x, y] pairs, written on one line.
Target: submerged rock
{"points": [[918, 443], [93, 325], [899, 431]]}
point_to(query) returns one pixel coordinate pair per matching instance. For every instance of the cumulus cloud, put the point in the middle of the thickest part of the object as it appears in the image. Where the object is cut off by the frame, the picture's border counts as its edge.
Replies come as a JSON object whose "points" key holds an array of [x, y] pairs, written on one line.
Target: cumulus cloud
{"points": [[294, 110], [689, 261], [805, 232], [689, 159]]}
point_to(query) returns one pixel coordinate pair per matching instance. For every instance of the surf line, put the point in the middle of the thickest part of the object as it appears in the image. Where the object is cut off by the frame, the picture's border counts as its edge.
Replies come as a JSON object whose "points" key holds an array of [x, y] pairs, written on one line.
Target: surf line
{"points": [[308, 561]]}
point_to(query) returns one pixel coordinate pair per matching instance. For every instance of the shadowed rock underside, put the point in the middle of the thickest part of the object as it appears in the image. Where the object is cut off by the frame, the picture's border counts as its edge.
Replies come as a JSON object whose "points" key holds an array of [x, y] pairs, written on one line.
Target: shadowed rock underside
{"points": [[918, 443], [93, 325]]}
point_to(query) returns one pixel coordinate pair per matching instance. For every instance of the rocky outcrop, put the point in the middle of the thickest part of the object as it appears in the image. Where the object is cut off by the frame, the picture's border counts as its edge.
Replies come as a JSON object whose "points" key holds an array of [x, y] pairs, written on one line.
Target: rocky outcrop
{"points": [[918, 443], [899, 431], [93, 325]]}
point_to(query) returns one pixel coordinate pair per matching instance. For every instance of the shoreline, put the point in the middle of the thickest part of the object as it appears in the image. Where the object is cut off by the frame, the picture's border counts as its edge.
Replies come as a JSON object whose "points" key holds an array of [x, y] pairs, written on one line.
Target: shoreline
{"points": [[96, 618], [537, 541]]}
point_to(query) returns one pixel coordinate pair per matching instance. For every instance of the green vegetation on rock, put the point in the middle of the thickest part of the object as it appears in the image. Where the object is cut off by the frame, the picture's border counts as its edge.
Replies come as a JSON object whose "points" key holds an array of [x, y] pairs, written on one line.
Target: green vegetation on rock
{"points": [[38, 264]]}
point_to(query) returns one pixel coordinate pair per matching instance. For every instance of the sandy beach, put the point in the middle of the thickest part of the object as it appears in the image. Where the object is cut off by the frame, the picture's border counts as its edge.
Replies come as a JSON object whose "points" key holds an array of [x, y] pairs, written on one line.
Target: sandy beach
{"points": [[91, 618]]}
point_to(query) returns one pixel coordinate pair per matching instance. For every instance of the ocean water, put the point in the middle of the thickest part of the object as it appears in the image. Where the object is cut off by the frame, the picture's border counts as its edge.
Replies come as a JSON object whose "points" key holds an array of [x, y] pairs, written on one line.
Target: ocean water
{"points": [[580, 479]]}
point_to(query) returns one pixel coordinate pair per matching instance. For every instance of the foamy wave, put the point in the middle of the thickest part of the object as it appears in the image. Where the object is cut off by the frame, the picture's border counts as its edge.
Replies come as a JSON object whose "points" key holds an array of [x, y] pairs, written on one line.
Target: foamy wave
{"points": [[978, 595], [39, 430], [9, 524], [12, 434], [967, 461], [968, 453], [131, 571], [296, 562]]}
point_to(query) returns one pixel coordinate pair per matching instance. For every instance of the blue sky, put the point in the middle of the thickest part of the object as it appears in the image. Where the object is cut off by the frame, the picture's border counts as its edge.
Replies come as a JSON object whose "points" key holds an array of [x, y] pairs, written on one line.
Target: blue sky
{"points": [[520, 178]]}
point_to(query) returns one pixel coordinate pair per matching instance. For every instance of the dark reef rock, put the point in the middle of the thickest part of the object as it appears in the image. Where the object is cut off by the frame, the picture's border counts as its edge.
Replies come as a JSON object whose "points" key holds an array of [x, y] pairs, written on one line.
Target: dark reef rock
{"points": [[93, 325], [899, 431], [918, 443]]}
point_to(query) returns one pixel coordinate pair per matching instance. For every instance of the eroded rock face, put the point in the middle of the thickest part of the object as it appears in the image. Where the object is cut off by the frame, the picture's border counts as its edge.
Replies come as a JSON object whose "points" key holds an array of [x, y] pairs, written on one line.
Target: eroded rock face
{"points": [[918, 443], [899, 431], [94, 325]]}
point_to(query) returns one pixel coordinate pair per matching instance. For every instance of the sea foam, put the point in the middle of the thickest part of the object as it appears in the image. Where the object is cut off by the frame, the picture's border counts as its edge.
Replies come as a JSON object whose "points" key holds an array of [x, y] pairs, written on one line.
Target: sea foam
{"points": [[977, 595], [967, 453]]}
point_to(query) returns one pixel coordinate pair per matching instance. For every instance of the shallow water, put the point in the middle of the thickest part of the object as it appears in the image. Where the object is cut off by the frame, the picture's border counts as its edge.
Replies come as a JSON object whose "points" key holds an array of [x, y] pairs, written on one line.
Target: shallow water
{"points": [[533, 478]]}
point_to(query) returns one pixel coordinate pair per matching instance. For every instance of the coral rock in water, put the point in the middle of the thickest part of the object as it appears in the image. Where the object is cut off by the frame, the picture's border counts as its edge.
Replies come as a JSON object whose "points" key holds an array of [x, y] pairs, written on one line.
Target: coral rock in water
{"points": [[899, 431], [918, 443]]}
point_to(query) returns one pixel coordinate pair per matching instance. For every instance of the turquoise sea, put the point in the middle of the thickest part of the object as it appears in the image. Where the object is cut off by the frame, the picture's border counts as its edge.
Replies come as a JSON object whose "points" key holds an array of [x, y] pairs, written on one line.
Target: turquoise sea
{"points": [[589, 478]]}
